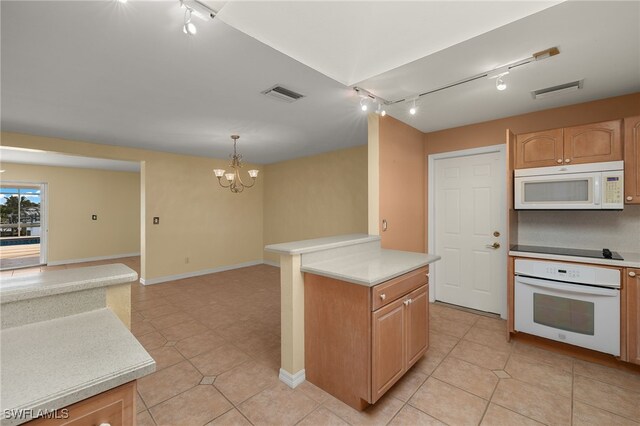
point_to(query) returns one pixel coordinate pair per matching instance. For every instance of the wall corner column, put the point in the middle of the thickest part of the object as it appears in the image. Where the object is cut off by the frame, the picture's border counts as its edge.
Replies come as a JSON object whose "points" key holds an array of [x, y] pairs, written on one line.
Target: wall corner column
{"points": [[373, 154], [292, 318]]}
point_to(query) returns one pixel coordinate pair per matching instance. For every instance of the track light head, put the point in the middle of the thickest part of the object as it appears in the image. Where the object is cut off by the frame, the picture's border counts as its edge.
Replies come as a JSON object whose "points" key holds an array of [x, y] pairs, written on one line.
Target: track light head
{"points": [[500, 84], [413, 108], [189, 27], [364, 104]]}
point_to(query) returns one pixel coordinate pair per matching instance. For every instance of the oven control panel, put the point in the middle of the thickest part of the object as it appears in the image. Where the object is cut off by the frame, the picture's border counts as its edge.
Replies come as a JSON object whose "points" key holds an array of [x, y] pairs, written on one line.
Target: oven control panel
{"points": [[568, 272]]}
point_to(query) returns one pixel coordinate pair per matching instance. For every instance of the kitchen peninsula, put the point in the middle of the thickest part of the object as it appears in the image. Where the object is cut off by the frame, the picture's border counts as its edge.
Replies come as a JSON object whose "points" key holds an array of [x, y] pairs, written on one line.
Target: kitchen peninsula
{"points": [[354, 315]]}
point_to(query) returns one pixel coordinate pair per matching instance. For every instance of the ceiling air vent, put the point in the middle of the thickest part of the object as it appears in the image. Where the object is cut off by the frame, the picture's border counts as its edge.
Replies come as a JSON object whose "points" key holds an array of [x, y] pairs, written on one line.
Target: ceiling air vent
{"points": [[282, 94], [557, 90]]}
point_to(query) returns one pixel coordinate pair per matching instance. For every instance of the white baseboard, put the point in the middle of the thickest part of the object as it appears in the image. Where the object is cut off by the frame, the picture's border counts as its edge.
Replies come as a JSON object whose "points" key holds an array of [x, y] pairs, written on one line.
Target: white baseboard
{"points": [[271, 263], [292, 380], [91, 259], [166, 278]]}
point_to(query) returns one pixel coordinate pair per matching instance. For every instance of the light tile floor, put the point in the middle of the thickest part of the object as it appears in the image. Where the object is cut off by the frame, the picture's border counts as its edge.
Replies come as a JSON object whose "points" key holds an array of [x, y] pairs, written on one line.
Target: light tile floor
{"points": [[216, 342]]}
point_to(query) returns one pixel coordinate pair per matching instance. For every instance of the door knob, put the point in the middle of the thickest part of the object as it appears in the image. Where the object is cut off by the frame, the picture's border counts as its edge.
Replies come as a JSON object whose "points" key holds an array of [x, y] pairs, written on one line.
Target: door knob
{"points": [[559, 161], [567, 160], [407, 302], [632, 274], [383, 296], [494, 246], [629, 198]]}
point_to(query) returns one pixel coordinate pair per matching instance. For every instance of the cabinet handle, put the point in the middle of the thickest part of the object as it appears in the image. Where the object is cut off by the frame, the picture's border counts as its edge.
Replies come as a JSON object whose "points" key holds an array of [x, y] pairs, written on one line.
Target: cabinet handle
{"points": [[629, 198], [105, 424], [632, 274], [383, 296], [567, 160], [559, 161], [407, 302]]}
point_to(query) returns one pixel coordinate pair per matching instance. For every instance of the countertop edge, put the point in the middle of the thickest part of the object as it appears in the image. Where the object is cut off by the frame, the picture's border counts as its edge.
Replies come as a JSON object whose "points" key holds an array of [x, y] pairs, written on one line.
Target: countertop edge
{"points": [[83, 391], [18, 294], [593, 261], [368, 283], [273, 248]]}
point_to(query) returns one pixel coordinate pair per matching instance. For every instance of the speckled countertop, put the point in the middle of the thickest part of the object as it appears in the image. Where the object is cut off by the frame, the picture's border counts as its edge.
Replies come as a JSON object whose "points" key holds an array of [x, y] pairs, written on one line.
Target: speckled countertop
{"points": [[65, 281], [370, 267], [51, 364], [318, 244]]}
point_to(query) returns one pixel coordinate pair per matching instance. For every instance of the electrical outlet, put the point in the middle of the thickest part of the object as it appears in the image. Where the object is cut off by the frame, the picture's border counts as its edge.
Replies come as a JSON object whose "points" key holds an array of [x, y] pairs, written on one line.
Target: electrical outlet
{"points": [[156, 220], [94, 217]]}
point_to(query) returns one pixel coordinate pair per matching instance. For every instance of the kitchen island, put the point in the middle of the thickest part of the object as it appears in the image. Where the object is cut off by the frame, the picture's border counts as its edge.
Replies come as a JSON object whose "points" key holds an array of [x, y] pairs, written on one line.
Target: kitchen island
{"points": [[357, 264], [65, 354]]}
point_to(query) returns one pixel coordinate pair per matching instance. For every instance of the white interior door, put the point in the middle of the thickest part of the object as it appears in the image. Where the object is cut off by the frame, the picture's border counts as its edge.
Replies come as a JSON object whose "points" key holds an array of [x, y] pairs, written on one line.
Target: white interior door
{"points": [[470, 217]]}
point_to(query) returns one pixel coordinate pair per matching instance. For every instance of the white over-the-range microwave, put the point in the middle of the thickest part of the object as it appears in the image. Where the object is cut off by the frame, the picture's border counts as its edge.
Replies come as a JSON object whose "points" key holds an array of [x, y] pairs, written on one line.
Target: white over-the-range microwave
{"points": [[592, 186]]}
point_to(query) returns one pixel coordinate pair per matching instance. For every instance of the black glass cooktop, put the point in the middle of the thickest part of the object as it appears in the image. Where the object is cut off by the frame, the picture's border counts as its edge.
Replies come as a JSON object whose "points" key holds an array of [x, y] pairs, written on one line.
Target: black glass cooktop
{"points": [[598, 254]]}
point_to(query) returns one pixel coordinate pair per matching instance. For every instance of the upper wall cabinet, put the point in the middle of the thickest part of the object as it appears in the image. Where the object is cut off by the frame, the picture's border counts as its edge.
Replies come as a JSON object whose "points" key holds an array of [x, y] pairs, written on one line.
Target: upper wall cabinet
{"points": [[539, 149], [632, 160], [592, 143]]}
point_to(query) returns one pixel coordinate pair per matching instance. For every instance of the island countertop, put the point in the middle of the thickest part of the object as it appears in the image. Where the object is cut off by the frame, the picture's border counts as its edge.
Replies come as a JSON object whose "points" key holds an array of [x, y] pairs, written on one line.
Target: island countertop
{"points": [[77, 357], [370, 267]]}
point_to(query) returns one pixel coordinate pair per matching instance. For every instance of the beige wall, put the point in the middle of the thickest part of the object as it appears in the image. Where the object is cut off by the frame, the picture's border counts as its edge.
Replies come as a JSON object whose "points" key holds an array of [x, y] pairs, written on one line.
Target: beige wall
{"points": [[315, 196], [198, 220], [75, 194], [402, 192]]}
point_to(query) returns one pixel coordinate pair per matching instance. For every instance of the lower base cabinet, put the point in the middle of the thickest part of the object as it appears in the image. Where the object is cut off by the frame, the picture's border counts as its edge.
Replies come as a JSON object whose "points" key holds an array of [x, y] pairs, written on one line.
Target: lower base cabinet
{"points": [[115, 407], [359, 341]]}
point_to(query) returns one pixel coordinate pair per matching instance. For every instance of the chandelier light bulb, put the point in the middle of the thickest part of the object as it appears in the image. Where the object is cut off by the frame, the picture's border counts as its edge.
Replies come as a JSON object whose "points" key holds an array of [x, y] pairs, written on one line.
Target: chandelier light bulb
{"points": [[218, 172], [253, 173], [230, 176], [500, 84]]}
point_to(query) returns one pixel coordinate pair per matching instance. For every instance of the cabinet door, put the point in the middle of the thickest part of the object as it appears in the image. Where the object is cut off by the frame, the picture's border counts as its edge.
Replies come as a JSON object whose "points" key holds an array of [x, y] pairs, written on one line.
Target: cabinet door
{"points": [[417, 325], [593, 143], [632, 160], [388, 347], [539, 149], [632, 281]]}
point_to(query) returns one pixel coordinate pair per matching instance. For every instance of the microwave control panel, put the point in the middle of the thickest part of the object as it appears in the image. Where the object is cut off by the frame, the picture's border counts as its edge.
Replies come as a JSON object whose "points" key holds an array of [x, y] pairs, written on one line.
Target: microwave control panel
{"points": [[612, 190]]}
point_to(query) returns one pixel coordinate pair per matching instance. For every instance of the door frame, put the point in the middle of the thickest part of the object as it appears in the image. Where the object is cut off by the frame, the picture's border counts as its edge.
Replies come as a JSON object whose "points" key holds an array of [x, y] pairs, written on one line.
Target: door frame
{"points": [[44, 214], [431, 215]]}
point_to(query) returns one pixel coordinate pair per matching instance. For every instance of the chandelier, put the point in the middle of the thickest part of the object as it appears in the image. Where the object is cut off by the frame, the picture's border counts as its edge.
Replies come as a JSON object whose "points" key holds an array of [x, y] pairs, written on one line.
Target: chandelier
{"points": [[233, 180]]}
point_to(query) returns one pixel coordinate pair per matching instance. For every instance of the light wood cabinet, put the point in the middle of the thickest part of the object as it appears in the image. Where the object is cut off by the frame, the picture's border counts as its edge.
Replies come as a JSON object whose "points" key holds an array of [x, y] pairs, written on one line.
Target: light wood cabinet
{"points": [[632, 160], [539, 149], [632, 284], [359, 341], [591, 143], [115, 407]]}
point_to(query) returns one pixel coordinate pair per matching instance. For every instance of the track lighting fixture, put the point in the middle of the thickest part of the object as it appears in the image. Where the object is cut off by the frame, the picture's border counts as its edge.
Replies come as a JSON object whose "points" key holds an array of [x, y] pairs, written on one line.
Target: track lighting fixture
{"points": [[497, 73], [363, 104], [413, 109], [195, 8], [122, 1], [381, 111], [189, 27]]}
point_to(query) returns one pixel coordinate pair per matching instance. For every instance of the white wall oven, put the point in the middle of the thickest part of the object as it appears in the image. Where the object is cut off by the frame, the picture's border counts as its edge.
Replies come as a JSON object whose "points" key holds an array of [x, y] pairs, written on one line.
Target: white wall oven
{"points": [[594, 186], [570, 303]]}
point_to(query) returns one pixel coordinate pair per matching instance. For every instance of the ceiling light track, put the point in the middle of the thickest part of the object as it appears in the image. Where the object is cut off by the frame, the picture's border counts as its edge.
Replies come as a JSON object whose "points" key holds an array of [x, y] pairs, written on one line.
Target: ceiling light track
{"points": [[496, 73]]}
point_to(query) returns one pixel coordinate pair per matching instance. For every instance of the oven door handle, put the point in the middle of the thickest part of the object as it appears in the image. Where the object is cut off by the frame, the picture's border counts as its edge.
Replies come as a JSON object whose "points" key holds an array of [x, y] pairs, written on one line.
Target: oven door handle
{"points": [[568, 288]]}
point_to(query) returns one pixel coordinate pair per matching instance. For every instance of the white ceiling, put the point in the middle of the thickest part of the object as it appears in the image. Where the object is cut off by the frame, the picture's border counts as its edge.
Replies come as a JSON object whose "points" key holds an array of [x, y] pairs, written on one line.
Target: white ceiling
{"points": [[598, 41], [125, 74], [43, 158], [351, 41]]}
